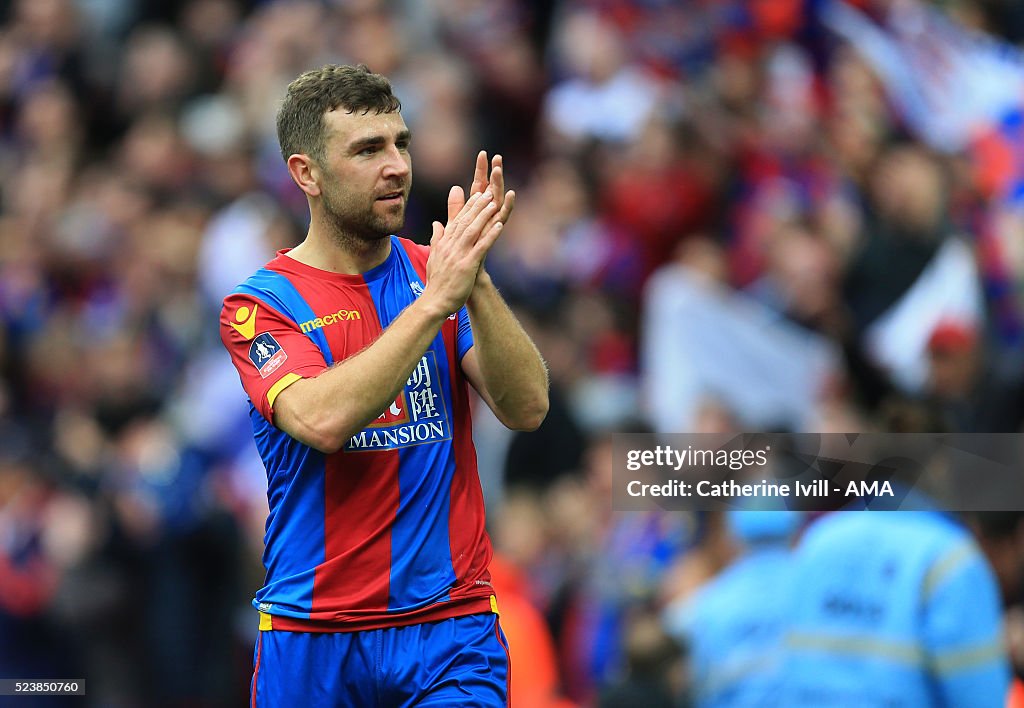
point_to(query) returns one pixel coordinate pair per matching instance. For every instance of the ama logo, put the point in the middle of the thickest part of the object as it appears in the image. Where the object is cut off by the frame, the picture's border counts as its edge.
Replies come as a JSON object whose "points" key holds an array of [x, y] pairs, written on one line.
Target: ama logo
{"points": [[266, 354]]}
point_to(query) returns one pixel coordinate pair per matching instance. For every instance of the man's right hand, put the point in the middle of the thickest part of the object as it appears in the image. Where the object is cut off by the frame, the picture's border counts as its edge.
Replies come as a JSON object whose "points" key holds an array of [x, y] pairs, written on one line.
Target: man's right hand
{"points": [[458, 249]]}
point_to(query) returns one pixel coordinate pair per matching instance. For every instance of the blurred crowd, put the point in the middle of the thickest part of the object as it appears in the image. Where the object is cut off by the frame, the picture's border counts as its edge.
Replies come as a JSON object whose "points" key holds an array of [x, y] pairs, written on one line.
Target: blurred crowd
{"points": [[723, 223]]}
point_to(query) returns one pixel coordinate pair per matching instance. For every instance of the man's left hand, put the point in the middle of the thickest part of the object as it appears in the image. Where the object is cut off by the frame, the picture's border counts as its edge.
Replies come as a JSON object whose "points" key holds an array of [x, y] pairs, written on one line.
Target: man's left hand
{"points": [[502, 199], [505, 201]]}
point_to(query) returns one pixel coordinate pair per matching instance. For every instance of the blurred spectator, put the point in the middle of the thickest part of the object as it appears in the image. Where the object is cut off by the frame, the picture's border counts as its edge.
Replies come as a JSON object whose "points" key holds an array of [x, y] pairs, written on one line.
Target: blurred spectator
{"points": [[658, 192], [1001, 536], [519, 539], [32, 647], [909, 274], [604, 95], [156, 74], [733, 626], [556, 448], [703, 340], [628, 554], [800, 280], [654, 675], [893, 608], [968, 390]]}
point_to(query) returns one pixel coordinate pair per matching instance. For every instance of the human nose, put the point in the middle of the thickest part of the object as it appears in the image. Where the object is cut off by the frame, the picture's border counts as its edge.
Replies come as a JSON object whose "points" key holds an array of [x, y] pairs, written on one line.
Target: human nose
{"points": [[397, 164]]}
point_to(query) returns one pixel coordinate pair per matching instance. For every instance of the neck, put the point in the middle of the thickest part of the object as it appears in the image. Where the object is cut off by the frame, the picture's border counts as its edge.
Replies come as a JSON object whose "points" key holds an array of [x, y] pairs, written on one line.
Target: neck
{"points": [[340, 252]]}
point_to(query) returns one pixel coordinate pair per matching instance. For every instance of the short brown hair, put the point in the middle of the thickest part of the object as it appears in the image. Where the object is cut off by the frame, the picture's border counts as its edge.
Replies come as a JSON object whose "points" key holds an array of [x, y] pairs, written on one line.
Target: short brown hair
{"points": [[300, 120]]}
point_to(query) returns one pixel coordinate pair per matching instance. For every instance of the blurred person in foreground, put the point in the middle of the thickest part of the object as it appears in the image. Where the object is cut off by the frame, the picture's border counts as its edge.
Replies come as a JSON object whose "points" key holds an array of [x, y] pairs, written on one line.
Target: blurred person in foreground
{"points": [[355, 348], [893, 607], [733, 625]]}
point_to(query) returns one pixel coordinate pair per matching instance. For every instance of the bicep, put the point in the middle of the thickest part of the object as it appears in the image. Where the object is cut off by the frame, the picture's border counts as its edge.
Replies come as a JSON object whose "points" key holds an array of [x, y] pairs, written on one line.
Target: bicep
{"points": [[288, 405]]}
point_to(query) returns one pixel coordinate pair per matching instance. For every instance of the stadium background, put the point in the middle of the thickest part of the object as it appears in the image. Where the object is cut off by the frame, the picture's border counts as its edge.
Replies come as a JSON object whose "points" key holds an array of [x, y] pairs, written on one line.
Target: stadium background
{"points": [[729, 218]]}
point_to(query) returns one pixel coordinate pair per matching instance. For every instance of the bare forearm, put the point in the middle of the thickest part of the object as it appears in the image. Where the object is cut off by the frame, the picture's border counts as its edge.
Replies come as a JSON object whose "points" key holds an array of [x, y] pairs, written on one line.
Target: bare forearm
{"points": [[512, 373], [325, 411]]}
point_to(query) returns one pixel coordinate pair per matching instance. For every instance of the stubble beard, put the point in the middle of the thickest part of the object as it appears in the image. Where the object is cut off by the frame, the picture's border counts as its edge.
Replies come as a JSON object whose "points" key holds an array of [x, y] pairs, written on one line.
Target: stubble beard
{"points": [[357, 229]]}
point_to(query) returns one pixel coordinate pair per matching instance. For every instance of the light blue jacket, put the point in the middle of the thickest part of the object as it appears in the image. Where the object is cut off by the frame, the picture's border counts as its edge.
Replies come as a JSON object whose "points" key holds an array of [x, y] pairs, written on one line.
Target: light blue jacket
{"points": [[892, 609], [733, 626]]}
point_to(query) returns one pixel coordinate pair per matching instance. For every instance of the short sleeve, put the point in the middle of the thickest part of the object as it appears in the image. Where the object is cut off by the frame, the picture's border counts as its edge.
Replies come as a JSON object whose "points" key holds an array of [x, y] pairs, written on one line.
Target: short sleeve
{"points": [[464, 339], [268, 349]]}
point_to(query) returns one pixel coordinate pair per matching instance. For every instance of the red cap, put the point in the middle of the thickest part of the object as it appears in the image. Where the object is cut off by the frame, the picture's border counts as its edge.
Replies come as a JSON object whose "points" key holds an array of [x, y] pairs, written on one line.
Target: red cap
{"points": [[952, 336]]}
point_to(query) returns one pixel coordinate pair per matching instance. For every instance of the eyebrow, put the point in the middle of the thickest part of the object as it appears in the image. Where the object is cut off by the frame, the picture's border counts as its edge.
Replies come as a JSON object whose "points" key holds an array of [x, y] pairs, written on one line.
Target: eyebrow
{"points": [[372, 140]]}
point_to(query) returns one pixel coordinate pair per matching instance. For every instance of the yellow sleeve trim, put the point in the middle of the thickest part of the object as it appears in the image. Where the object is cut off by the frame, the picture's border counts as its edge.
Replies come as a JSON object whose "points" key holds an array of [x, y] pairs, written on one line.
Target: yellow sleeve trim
{"points": [[946, 567], [970, 659], [283, 383], [494, 605], [266, 622]]}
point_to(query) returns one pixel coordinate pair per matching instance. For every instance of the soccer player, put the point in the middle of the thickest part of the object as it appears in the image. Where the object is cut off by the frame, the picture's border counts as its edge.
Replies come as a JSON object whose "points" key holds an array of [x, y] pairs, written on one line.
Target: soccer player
{"points": [[355, 349]]}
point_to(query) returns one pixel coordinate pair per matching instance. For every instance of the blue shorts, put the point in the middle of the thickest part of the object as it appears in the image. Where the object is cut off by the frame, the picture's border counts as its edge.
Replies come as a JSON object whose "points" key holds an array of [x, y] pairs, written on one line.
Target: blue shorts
{"points": [[461, 661]]}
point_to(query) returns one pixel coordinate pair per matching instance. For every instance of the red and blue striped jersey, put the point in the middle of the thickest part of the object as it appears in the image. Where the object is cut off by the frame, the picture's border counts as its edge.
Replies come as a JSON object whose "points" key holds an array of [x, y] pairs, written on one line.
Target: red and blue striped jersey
{"points": [[389, 530]]}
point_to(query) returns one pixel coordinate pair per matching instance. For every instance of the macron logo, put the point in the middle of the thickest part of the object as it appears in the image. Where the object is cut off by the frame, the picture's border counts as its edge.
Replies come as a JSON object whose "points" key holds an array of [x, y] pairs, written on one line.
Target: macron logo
{"points": [[327, 320]]}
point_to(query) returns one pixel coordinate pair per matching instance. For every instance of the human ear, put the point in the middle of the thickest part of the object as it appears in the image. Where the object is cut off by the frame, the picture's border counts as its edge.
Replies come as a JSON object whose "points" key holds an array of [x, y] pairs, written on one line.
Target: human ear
{"points": [[305, 172]]}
